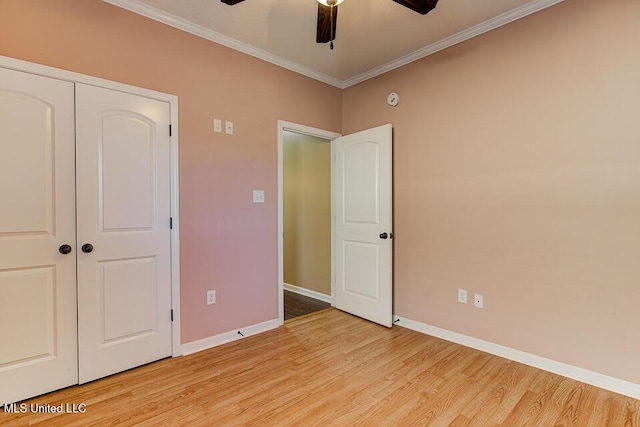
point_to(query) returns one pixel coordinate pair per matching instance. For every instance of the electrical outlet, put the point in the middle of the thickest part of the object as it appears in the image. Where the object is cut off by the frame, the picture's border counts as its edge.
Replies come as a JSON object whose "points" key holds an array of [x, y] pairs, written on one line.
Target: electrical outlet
{"points": [[462, 296], [228, 127], [211, 297], [478, 300]]}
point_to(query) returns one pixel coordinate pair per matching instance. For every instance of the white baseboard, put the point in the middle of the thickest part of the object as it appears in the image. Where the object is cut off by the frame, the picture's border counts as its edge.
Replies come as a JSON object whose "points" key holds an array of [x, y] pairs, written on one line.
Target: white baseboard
{"points": [[583, 375], [307, 292], [226, 337]]}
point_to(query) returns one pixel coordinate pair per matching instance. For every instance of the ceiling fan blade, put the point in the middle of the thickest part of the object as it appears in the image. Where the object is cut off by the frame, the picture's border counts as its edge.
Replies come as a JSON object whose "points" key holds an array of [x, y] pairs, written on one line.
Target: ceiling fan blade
{"points": [[421, 6], [323, 31], [231, 2]]}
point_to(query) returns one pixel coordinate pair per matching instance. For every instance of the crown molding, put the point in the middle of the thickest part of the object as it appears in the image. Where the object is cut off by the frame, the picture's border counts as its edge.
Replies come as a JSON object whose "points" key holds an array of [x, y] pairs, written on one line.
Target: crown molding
{"points": [[143, 9], [476, 30], [151, 12]]}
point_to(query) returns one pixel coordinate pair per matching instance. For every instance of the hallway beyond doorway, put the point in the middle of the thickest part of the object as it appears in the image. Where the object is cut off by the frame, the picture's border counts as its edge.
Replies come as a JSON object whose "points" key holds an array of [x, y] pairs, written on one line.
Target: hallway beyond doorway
{"points": [[296, 305]]}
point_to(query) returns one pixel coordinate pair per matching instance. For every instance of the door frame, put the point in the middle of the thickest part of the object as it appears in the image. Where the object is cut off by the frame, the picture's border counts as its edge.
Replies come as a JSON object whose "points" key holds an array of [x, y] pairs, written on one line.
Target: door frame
{"points": [[73, 77], [320, 133]]}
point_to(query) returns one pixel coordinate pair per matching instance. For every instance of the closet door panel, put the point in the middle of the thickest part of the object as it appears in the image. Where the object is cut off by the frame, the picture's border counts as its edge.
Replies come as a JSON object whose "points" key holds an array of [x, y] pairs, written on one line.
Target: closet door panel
{"points": [[124, 281], [37, 228]]}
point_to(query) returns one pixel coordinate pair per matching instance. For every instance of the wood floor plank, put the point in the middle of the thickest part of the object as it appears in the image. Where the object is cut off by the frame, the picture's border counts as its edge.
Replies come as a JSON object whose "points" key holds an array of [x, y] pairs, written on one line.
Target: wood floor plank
{"points": [[486, 402], [510, 387], [615, 410], [333, 369], [578, 406]]}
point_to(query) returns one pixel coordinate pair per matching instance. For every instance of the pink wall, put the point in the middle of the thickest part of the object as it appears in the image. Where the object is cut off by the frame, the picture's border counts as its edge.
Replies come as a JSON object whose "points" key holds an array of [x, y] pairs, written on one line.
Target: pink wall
{"points": [[227, 243], [517, 175]]}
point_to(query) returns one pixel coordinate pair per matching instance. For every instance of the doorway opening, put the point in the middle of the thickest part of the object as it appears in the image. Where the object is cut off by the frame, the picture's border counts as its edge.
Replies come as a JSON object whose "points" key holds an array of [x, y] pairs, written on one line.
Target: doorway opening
{"points": [[304, 219], [361, 217]]}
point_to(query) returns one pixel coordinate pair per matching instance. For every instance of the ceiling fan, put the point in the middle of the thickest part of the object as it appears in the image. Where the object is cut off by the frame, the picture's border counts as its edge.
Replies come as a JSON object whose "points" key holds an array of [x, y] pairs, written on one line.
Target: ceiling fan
{"points": [[328, 15]]}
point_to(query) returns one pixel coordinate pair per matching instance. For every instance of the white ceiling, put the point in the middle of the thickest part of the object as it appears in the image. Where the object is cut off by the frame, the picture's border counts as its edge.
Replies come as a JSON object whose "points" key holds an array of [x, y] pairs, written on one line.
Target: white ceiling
{"points": [[373, 36]]}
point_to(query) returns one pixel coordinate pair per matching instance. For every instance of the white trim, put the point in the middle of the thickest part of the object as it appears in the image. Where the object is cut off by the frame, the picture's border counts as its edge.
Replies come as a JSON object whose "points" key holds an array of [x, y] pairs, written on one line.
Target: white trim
{"points": [[73, 77], [70, 76], [167, 18], [226, 337], [579, 374], [307, 293], [333, 223], [476, 30], [145, 10], [306, 130], [281, 127], [175, 232]]}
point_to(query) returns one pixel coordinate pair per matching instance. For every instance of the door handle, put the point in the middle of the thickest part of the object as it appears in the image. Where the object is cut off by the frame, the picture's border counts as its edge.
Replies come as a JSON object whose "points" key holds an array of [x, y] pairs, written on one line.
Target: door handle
{"points": [[64, 249], [383, 235], [87, 248]]}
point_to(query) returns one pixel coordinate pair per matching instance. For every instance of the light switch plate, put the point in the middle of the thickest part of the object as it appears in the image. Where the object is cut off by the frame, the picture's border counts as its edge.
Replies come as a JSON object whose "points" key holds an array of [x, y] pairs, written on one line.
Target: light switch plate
{"points": [[217, 125], [228, 128], [211, 297], [462, 296], [258, 196]]}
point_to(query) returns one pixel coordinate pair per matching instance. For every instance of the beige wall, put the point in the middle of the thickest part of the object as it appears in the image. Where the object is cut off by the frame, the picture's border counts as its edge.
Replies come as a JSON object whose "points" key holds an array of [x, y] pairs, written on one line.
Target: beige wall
{"points": [[307, 212], [227, 243], [517, 175]]}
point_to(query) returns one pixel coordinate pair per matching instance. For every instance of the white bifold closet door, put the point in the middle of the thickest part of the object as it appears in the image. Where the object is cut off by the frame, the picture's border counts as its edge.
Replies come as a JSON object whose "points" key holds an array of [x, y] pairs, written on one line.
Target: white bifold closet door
{"points": [[90, 200], [37, 218], [123, 203]]}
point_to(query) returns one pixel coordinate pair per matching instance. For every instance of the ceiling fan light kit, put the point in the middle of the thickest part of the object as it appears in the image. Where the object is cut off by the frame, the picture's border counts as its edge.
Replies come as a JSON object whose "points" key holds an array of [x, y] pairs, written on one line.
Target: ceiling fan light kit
{"points": [[328, 15], [330, 2]]}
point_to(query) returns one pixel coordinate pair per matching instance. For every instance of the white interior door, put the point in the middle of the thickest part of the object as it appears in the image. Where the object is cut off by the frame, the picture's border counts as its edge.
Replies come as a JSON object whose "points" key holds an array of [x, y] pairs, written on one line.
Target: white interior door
{"points": [[123, 197], [363, 207], [38, 351]]}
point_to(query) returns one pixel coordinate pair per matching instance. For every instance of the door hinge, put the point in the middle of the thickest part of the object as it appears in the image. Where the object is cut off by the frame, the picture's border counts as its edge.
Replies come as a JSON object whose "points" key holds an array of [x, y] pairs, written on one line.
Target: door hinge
{"points": [[169, 130], [171, 223], [172, 314]]}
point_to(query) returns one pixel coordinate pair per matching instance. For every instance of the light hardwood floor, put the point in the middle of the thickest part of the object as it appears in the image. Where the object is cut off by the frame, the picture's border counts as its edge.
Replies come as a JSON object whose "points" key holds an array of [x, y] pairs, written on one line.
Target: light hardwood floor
{"points": [[332, 369]]}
